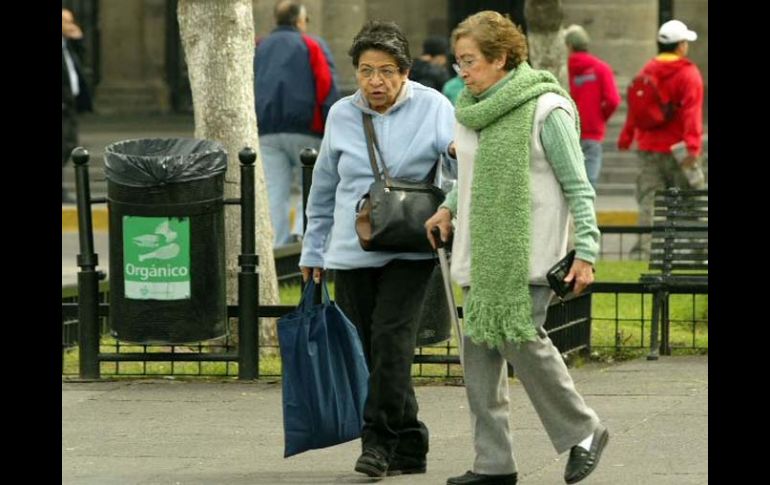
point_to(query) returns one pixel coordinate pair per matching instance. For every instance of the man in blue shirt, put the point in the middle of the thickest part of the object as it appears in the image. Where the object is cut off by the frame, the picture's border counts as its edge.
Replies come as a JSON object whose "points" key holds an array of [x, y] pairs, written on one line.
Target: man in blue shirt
{"points": [[294, 89]]}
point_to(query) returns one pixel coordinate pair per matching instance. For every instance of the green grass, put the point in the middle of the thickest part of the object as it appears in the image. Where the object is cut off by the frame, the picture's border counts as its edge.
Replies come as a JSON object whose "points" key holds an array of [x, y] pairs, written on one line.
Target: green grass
{"points": [[620, 271], [688, 313], [620, 336]]}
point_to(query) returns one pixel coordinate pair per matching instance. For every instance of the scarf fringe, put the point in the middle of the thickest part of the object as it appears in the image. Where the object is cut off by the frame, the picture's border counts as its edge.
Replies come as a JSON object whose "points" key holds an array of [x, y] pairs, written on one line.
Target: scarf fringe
{"points": [[494, 325]]}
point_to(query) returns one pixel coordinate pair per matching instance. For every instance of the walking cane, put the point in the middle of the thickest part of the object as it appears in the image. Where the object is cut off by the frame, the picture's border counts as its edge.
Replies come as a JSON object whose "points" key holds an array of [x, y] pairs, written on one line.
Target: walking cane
{"points": [[444, 262]]}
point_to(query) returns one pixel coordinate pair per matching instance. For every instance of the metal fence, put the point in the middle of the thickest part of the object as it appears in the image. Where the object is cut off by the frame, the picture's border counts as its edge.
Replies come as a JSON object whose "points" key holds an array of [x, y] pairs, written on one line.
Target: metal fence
{"points": [[613, 318], [618, 243], [568, 324], [621, 243], [621, 318], [69, 319]]}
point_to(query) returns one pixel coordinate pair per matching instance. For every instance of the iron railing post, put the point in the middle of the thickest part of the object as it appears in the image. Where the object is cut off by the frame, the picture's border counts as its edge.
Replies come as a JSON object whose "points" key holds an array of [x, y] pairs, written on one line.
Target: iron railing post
{"points": [[248, 277], [308, 157], [88, 277]]}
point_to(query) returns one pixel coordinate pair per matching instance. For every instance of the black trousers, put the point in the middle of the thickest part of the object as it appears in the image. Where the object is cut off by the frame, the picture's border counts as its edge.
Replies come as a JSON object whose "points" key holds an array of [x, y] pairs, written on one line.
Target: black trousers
{"points": [[384, 304]]}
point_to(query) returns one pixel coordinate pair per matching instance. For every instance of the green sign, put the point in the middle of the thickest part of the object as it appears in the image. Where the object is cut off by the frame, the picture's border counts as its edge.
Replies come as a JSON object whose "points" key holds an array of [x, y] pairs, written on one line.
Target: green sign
{"points": [[156, 258]]}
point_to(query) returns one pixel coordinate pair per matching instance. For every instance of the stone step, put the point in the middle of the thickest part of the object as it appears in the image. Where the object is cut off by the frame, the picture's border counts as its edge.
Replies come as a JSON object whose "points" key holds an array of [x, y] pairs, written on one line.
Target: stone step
{"points": [[618, 175], [616, 189], [622, 164], [131, 99]]}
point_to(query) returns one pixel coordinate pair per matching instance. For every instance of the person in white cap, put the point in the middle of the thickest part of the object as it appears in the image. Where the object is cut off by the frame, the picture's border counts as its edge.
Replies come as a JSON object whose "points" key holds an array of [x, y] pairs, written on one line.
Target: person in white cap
{"points": [[676, 117]]}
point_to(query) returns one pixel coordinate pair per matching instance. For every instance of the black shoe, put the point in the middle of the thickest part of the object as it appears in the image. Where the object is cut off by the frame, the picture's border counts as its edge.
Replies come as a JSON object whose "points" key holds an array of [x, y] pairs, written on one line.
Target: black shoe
{"points": [[581, 462], [471, 478], [372, 462], [406, 465]]}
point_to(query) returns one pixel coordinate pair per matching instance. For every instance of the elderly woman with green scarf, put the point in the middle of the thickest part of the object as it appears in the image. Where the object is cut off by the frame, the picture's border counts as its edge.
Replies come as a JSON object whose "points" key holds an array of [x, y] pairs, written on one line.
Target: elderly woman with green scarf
{"points": [[520, 175]]}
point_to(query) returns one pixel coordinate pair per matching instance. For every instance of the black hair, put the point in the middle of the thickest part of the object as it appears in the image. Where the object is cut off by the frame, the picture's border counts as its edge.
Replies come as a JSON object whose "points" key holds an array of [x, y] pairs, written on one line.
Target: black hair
{"points": [[435, 46], [667, 47], [287, 13], [382, 36]]}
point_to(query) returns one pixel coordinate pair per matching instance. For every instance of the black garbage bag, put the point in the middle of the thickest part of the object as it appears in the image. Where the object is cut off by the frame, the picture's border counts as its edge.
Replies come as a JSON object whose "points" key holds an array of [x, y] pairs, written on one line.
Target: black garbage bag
{"points": [[147, 162]]}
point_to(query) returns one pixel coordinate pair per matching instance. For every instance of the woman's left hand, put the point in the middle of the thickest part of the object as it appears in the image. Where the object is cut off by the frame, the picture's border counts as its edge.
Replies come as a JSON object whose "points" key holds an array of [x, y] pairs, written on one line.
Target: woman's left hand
{"points": [[583, 274]]}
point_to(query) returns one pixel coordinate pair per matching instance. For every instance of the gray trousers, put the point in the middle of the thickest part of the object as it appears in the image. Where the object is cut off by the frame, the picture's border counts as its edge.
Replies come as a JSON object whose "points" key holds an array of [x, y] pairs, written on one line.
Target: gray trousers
{"points": [[659, 171], [541, 370]]}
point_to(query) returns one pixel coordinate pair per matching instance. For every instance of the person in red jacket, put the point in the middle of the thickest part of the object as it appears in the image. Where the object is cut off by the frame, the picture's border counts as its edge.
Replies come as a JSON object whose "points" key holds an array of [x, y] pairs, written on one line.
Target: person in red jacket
{"points": [[680, 83], [592, 86]]}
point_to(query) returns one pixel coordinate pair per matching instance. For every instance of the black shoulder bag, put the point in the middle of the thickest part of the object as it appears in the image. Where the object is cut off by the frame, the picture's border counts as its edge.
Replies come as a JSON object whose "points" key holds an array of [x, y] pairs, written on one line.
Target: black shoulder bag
{"points": [[391, 217]]}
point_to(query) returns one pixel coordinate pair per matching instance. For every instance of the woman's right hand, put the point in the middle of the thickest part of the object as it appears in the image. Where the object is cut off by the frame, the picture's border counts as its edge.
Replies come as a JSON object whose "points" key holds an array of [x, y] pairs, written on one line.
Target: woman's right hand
{"points": [[443, 220], [306, 270]]}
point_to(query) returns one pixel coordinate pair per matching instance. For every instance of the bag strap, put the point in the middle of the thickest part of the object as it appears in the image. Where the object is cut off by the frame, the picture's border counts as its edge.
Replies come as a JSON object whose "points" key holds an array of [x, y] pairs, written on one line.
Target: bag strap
{"points": [[306, 299], [371, 139], [325, 298]]}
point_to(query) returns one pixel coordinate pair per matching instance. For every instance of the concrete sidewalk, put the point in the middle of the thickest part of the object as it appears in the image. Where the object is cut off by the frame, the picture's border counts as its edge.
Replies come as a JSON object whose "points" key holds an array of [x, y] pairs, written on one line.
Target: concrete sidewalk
{"points": [[228, 432]]}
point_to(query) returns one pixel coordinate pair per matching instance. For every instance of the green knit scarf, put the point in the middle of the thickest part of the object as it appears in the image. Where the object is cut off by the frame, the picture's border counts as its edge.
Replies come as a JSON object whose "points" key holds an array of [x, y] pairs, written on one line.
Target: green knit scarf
{"points": [[499, 307]]}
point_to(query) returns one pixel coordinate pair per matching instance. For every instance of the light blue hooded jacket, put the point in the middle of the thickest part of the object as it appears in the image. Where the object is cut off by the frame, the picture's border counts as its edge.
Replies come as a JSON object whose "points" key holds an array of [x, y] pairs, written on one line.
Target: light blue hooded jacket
{"points": [[412, 135]]}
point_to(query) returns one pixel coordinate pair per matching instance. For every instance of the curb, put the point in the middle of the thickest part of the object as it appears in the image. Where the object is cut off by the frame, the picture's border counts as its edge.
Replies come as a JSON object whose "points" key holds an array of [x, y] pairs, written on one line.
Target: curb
{"points": [[69, 219], [617, 218]]}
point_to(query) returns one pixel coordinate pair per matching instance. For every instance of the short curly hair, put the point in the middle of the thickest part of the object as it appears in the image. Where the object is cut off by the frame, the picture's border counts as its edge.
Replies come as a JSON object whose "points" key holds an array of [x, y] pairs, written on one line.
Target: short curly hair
{"points": [[382, 36], [496, 35]]}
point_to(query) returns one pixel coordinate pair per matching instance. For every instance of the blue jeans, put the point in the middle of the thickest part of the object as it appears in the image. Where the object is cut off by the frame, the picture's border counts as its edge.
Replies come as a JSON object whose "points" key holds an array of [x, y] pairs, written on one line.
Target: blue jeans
{"points": [[282, 166], [592, 152]]}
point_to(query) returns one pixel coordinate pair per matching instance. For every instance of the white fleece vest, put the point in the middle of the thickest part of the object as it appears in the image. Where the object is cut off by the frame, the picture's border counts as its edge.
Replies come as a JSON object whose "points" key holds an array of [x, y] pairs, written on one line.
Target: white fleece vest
{"points": [[549, 214]]}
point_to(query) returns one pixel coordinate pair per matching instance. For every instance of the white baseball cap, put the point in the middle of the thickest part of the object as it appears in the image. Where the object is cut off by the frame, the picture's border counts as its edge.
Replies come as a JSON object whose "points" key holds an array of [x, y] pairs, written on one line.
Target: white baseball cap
{"points": [[675, 31]]}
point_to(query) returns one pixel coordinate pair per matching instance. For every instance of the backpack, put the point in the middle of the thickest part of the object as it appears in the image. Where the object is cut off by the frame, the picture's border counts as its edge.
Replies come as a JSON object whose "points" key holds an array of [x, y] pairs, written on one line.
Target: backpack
{"points": [[646, 104]]}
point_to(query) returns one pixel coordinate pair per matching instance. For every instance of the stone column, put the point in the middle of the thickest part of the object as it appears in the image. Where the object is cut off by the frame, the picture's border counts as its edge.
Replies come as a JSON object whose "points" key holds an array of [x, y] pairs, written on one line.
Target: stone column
{"points": [[133, 40]]}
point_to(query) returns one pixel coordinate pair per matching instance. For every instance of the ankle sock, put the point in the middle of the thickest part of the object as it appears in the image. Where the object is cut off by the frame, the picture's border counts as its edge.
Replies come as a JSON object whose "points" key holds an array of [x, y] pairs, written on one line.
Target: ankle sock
{"points": [[586, 443]]}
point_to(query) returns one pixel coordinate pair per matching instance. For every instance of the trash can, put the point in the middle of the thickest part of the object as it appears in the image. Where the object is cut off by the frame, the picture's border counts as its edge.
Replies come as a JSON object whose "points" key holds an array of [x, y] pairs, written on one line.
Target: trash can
{"points": [[167, 240]]}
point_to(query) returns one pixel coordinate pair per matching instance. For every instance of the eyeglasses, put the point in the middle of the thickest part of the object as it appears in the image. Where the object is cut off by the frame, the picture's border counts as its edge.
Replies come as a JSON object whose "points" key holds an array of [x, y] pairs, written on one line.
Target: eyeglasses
{"points": [[369, 72], [463, 64]]}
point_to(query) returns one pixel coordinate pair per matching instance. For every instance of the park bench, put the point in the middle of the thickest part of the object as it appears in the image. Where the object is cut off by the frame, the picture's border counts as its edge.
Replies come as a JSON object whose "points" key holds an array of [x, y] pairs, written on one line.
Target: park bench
{"points": [[679, 252]]}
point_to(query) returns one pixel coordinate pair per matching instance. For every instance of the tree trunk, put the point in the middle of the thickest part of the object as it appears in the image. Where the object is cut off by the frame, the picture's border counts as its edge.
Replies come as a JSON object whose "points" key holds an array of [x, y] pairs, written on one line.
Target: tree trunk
{"points": [[218, 42], [546, 38]]}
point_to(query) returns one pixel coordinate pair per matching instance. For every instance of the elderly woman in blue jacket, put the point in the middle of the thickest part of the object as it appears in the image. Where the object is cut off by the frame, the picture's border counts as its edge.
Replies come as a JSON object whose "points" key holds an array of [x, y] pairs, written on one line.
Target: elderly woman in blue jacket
{"points": [[379, 291]]}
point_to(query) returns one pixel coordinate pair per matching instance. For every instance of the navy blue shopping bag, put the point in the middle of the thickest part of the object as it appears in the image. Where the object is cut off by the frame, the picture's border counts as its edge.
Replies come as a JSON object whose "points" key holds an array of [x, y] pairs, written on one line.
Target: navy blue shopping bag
{"points": [[325, 378]]}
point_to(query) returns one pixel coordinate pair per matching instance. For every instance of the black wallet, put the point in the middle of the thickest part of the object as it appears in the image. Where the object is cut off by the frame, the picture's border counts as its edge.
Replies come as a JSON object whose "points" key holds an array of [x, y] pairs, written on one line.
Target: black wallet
{"points": [[557, 273]]}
